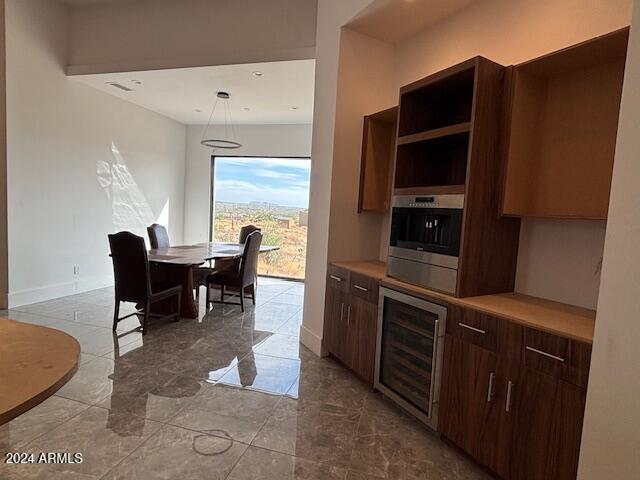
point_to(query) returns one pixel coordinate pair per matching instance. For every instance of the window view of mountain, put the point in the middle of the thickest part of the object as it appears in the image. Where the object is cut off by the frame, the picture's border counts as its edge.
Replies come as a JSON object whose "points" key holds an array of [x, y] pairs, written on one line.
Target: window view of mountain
{"points": [[271, 193]]}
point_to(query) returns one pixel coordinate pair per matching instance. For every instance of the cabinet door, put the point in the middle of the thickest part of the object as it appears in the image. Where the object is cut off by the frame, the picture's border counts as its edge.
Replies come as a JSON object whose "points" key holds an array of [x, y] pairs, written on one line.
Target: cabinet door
{"points": [[335, 325], [361, 337], [469, 409], [547, 427]]}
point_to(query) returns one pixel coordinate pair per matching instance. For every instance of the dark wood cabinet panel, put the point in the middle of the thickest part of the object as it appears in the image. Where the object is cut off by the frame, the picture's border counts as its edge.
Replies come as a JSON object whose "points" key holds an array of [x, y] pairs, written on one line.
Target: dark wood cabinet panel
{"points": [[473, 327], [468, 396], [362, 337], [351, 318], [565, 359], [364, 287], [547, 426], [335, 326], [376, 164], [338, 278], [516, 410]]}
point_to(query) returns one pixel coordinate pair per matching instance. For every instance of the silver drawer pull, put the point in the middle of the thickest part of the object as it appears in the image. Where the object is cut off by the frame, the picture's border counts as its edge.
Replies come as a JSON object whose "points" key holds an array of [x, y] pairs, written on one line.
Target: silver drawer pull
{"points": [[360, 288], [492, 378], [507, 404], [540, 352], [333, 277], [473, 329]]}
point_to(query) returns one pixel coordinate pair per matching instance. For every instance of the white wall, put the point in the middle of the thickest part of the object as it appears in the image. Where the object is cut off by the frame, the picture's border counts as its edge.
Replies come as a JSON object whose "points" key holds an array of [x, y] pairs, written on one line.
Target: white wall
{"points": [[353, 235], [153, 34], [610, 438], [332, 14], [257, 140], [68, 185]]}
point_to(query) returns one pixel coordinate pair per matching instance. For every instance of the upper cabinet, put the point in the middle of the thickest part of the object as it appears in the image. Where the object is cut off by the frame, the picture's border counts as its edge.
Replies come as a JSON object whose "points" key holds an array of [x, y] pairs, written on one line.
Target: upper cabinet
{"points": [[376, 168], [449, 137], [561, 130], [434, 131]]}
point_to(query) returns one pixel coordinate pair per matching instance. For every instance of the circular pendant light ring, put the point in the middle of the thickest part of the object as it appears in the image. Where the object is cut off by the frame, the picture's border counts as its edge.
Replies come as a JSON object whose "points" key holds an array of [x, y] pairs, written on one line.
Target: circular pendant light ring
{"points": [[215, 143]]}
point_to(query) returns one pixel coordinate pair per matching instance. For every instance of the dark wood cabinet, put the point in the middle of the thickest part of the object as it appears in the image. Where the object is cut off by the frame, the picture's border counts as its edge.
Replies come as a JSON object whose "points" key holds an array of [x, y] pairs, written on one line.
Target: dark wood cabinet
{"points": [[468, 396], [520, 415], [546, 417], [376, 165], [351, 317], [335, 331]]}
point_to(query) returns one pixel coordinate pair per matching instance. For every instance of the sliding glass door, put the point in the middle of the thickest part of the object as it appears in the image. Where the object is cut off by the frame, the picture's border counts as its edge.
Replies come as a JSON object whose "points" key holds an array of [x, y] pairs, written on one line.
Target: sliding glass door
{"points": [[271, 193]]}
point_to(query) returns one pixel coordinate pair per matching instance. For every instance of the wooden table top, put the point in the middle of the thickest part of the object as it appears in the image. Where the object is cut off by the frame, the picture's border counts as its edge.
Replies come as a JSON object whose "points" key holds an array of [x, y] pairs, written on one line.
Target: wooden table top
{"points": [[35, 362], [201, 252]]}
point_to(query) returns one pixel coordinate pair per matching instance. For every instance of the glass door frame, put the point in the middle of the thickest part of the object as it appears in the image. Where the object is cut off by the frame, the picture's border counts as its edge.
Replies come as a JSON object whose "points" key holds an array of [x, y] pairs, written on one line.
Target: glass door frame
{"points": [[212, 186]]}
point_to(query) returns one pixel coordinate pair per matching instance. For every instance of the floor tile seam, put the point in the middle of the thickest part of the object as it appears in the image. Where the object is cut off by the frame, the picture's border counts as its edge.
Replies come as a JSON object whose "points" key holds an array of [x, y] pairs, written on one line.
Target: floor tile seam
{"points": [[60, 424], [17, 309], [132, 451], [299, 307]]}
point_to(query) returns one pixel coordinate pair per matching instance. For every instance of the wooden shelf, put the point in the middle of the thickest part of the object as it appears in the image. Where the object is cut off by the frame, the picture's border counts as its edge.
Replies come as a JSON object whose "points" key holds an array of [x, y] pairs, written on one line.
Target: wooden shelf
{"points": [[376, 164], [412, 328], [435, 133], [563, 122], [435, 190]]}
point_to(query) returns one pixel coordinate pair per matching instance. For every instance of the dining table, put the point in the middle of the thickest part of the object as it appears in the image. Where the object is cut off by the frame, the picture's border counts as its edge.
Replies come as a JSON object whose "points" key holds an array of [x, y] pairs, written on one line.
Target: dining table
{"points": [[175, 266]]}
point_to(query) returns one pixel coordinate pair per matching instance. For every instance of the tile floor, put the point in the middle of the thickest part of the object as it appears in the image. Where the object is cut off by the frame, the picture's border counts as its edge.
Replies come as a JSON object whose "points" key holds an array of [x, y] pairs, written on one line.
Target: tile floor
{"points": [[228, 396]]}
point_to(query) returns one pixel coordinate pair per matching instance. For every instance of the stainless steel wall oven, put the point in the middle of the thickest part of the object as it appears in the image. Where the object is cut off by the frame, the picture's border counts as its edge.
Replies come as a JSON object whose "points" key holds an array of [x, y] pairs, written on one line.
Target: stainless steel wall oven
{"points": [[425, 240]]}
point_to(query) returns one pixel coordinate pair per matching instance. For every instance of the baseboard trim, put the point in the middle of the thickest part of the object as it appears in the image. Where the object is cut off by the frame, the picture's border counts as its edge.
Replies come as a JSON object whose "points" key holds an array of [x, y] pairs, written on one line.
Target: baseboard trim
{"points": [[48, 292], [312, 341]]}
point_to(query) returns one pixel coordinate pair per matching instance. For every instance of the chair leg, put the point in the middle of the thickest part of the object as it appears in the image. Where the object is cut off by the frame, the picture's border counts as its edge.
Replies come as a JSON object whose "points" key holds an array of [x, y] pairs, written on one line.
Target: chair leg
{"points": [[208, 297], [242, 300], [116, 313], [178, 307], [222, 293], [145, 318], [253, 294]]}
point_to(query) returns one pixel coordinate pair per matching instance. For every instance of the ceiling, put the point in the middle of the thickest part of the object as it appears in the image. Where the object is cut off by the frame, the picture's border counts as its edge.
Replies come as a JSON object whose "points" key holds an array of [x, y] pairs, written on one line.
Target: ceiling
{"points": [[282, 95], [396, 20]]}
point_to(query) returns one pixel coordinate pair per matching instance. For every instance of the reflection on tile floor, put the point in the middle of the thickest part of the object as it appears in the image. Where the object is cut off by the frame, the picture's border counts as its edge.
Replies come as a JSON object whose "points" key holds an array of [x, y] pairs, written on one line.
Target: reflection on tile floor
{"points": [[228, 396]]}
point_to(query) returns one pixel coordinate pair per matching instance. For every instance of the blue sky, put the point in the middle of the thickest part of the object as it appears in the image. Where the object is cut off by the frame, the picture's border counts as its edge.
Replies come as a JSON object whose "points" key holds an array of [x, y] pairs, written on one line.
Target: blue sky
{"points": [[282, 181]]}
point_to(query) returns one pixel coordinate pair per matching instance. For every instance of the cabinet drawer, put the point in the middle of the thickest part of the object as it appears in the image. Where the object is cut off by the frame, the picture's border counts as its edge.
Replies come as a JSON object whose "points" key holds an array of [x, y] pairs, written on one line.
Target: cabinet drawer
{"points": [[486, 331], [338, 278], [364, 287], [559, 357], [473, 327]]}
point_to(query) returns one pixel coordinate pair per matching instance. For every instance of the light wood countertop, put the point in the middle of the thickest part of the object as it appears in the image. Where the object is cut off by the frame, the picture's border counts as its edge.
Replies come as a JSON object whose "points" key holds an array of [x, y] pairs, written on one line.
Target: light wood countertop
{"points": [[36, 362], [372, 268], [557, 318]]}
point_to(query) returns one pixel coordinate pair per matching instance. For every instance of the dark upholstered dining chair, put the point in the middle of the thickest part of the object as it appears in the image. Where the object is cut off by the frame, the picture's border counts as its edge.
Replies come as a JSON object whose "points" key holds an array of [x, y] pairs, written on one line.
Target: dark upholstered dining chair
{"points": [[241, 276], [225, 263], [158, 236], [246, 231], [133, 281]]}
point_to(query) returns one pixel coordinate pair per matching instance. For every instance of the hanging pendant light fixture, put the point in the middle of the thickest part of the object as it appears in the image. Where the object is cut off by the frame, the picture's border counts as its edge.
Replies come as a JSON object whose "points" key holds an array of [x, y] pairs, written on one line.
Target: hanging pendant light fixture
{"points": [[229, 141]]}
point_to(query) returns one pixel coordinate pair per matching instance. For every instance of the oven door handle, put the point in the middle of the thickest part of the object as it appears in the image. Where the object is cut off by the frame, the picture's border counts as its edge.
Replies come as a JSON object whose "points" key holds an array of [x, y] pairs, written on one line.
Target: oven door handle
{"points": [[434, 366]]}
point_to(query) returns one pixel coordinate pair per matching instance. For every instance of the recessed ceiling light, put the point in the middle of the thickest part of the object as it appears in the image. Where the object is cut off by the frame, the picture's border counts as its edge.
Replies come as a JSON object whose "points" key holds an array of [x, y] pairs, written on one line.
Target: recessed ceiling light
{"points": [[137, 82], [198, 110], [294, 107], [257, 74], [246, 109]]}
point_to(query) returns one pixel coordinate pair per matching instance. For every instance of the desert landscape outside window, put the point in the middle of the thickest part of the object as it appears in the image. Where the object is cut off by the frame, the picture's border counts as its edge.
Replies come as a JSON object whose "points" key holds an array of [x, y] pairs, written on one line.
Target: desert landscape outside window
{"points": [[271, 193]]}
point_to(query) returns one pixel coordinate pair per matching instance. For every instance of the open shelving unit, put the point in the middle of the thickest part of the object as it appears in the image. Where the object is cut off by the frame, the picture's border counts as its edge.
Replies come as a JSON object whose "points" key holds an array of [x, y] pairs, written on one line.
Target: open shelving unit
{"points": [[376, 164], [448, 142], [434, 128], [563, 121]]}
